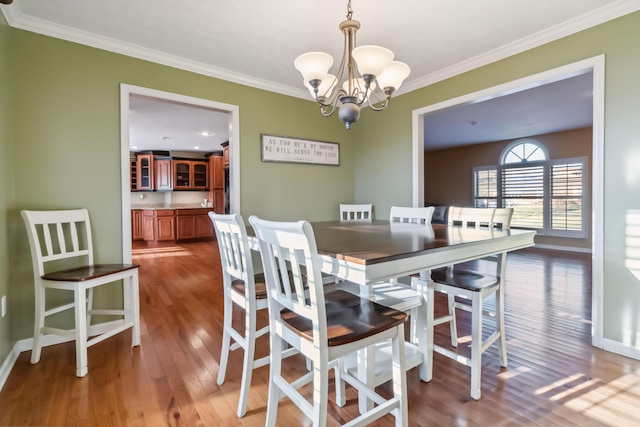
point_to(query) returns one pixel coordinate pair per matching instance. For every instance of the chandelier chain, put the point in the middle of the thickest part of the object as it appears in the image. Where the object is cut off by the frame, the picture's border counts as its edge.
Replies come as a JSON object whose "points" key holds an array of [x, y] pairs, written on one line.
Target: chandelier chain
{"points": [[349, 10]]}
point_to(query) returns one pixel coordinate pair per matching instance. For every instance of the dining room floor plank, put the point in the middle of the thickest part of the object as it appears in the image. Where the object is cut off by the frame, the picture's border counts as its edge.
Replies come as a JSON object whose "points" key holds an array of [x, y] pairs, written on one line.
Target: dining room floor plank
{"points": [[554, 377]]}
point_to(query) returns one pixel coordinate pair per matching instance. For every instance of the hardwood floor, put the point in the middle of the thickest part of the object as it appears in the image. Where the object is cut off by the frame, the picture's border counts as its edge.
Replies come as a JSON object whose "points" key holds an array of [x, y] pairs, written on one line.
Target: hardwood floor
{"points": [[555, 377]]}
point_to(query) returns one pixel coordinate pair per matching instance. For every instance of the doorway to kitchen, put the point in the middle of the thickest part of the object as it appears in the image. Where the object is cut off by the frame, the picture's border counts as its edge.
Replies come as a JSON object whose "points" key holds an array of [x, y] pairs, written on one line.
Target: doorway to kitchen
{"points": [[231, 112]]}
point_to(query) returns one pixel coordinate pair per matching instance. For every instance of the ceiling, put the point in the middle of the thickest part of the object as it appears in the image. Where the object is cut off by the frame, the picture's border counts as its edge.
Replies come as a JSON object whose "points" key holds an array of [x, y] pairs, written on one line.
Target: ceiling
{"points": [[255, 42]]}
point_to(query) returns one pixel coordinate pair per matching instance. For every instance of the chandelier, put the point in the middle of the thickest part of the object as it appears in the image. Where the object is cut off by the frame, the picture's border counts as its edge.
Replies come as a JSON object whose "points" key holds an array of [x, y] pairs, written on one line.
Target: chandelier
{"points": [[376, 78]]}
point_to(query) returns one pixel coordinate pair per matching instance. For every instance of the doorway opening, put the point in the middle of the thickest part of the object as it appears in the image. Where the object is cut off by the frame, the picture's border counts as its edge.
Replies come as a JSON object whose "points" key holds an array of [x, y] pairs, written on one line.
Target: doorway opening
{"points": [[593, 65], [127, 93]]}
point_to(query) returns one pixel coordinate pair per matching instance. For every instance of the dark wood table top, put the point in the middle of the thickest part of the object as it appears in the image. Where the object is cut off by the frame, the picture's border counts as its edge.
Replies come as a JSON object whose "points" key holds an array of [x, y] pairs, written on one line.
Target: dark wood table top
{"points": [[380, 241]]}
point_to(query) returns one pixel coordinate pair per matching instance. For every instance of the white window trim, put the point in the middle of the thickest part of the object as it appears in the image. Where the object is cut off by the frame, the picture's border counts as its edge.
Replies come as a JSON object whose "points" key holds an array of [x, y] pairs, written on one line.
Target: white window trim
{"points": [[546, 230]]}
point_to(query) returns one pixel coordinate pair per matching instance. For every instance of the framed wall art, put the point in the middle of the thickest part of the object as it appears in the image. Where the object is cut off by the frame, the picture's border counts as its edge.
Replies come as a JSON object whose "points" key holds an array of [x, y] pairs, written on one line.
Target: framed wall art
{"points": [[297, 150]]}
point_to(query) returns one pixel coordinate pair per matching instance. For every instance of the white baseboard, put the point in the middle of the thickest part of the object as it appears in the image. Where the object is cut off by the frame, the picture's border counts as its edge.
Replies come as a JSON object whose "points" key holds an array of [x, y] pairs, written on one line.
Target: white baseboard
{"points": [[7, 365], [621, 349], [47, 340], [563, 248]]}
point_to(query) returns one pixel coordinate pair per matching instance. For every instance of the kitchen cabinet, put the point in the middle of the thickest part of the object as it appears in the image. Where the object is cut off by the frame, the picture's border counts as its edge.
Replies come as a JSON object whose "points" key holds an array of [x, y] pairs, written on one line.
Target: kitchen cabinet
{"points": [[148, 225], [164, 175], [216, 187], [225, 154], [158, 224], [193, 224], [137, 228], [171, 224], [164, 226], [144, 172], [190, 174]]}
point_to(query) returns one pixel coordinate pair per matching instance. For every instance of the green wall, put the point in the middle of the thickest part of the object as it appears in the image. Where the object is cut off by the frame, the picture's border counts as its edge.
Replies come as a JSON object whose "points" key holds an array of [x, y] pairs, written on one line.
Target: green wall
{"points": [[5, 177], [62, 148], [67, 150], [384, 146]]}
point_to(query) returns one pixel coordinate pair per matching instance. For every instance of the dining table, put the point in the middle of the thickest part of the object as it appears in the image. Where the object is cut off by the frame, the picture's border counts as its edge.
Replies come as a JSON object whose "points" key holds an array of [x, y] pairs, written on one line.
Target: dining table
{"points": [[367, 252]]}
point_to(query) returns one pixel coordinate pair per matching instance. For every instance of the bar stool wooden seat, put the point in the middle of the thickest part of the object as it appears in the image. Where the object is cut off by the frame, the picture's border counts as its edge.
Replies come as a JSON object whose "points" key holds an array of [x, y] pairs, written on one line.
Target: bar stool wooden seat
{"points": [[323, 327], [63, 238]]}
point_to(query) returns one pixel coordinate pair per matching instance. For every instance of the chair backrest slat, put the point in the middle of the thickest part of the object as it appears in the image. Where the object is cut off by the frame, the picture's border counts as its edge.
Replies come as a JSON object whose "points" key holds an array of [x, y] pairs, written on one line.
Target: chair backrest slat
{"points": [[490, 218], [357, 212], [292, 272], [72, 238], [415, 215], [235, 253]]}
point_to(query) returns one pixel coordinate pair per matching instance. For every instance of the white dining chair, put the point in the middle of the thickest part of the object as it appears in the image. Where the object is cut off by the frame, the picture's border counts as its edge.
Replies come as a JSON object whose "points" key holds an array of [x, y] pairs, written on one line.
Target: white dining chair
{"points": [[473, 286], [356, 212], [415, 215], [244, 289], [411, 215], [323, 327], [63, 237]]}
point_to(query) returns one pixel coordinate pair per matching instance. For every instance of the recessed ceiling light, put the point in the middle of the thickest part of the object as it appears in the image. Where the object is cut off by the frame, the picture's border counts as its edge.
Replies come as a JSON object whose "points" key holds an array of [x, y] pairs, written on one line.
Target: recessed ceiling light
{"points": [[165, 138], [196, 148], [206, 133], [135, 147]]}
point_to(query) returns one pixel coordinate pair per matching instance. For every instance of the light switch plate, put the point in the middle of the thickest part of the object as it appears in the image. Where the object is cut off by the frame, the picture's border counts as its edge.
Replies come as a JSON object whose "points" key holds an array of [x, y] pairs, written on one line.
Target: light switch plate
{"points": [[4, 305]]}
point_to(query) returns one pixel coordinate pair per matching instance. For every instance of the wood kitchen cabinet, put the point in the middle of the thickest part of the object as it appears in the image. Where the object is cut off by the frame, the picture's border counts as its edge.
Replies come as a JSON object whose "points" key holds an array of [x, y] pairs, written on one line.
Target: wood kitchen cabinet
{"points": [[164, 175], [190, 175], [148, 225], [193, 224], [216, 187], [137, 228], [158, 224], [164, 227], [144, 172], [225, 154]]}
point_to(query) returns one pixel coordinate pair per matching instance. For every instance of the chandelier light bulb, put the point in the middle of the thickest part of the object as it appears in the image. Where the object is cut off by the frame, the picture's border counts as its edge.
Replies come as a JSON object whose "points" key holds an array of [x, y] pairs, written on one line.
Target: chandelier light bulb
{"points": [[393, 75], [313, 65], [372, 59]]}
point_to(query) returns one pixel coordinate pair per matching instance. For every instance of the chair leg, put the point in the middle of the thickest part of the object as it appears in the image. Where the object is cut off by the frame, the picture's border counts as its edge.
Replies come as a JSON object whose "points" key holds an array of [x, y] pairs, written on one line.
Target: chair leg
{"points": [[341, 397], [425, 340], [131, 306], [476, 345], [400, 378], [320, 392], [80, 297], [452, 323], [247, 365], [500, 326], [38, 324], [366, 374], [226, 338], [275, 367], [89, 306]]}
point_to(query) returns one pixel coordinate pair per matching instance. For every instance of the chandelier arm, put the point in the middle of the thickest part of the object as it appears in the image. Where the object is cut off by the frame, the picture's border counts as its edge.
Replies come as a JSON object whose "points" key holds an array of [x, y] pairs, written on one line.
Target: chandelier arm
{"points": [[388, 91], [328, 108]]}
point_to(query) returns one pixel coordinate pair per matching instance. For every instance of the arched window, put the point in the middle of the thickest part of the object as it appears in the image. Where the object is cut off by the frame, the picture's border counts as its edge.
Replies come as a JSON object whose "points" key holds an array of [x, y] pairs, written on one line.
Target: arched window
{"points": [[522, 151], [548, 195]]}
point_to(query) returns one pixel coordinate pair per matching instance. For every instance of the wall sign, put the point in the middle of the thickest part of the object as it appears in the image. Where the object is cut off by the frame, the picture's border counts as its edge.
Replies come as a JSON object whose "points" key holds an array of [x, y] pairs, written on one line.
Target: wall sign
{"points": [[296, 150]]}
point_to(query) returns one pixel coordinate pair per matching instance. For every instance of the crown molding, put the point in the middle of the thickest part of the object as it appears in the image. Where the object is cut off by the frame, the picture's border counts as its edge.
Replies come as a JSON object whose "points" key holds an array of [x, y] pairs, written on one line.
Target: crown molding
{"points": [[580, 23], [17, 19]]}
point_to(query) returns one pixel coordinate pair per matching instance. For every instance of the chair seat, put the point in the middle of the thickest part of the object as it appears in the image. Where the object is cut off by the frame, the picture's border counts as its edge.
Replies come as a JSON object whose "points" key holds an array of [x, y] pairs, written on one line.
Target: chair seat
{"points": [[464, 279], [349, 318], [261, 287], [87, 272]]}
